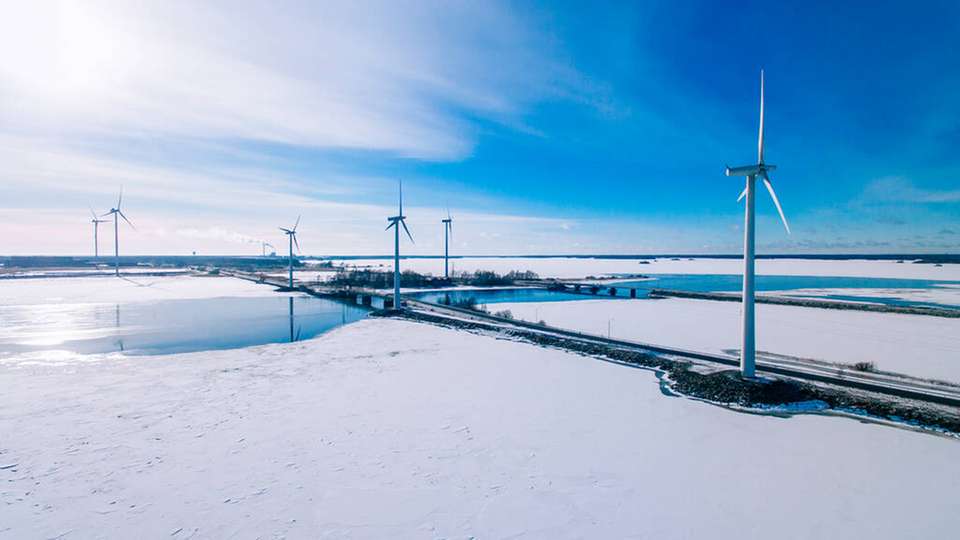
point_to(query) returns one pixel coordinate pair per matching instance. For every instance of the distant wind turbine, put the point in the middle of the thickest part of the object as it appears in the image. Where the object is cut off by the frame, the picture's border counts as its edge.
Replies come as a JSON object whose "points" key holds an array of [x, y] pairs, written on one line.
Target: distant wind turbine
{"points": [[263, 247], [447, 234], [96, 224], [292, 238], [116, 211], [394, 221], [751, 172]]}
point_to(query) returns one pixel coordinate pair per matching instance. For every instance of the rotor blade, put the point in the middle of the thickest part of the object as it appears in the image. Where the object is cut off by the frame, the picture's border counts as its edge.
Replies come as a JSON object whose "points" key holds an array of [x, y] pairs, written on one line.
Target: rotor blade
{"points": [[92, 213], [120, 198], [404, 223], [392, 223], [760, 136], [776, 201], [742, 195], [125, 219], [296, 224], [296, 243], [450, 224], [288, 231], [401, 197], [108, 213]]}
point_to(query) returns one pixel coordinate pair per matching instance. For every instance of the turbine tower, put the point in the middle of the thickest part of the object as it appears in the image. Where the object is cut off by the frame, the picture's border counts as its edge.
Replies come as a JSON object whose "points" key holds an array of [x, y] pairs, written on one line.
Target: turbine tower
{"points": [[116, 211], [447, 234], [751, 172], [394, 221], [96, 224], [292, 239]]}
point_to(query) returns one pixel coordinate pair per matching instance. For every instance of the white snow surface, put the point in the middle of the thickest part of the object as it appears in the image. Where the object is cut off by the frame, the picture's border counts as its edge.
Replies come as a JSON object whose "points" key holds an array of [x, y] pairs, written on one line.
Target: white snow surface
{"points": [[917, 345], [110, 289], [388, 429], [575, 268], [104, 270]]}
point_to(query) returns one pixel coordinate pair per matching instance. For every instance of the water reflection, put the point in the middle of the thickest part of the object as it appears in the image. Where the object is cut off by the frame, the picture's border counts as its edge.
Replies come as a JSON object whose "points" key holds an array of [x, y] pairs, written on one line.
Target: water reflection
{"points": [[169, 326], [294, 336]]}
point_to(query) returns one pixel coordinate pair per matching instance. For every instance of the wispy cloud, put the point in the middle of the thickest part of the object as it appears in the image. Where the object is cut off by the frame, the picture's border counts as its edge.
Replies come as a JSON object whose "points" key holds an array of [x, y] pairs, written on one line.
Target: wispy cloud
{"points": [[381, 76], [897, 189]]}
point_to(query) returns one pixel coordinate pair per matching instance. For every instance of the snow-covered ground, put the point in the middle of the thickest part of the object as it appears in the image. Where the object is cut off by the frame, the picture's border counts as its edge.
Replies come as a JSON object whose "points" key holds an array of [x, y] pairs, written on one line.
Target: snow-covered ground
{"points": [[104, 270], [565, 267], [110, 289], [917, 345], [388, 429]]}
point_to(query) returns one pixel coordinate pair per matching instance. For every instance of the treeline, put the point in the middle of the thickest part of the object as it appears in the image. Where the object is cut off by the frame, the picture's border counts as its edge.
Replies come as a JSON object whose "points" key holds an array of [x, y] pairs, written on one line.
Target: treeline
{"points": [[380, 279], [486, 278]]}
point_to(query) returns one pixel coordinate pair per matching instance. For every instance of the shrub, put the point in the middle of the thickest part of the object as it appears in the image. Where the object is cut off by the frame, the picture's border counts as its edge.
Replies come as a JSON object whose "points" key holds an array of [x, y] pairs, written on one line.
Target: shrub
{"points": [[505, 314], [378, 279], [465, 303], [865, 366]]}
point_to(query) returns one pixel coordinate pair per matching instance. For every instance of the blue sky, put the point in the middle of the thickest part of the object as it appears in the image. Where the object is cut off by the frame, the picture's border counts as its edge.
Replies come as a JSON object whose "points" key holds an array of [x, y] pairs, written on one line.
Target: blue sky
{"points": [[546, 127]]}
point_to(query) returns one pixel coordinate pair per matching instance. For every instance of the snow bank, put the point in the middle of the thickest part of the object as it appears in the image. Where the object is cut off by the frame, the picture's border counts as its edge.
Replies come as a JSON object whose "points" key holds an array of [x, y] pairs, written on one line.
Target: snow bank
{"points": [[111, 290], [388, 429], [564, 267], [948, 295], [913, 344]]}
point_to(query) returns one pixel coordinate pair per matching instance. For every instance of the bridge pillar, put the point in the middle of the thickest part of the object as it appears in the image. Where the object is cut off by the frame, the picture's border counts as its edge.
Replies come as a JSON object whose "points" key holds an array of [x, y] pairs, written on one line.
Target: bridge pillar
{"points": [[633, 293]]}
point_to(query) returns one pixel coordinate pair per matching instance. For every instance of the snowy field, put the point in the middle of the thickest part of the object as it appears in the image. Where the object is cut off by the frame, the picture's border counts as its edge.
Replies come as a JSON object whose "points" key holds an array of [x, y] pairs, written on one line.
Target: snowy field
{"points": [[564, 267], [917, 345], [102, 270], [110, 289], [388, 429]]}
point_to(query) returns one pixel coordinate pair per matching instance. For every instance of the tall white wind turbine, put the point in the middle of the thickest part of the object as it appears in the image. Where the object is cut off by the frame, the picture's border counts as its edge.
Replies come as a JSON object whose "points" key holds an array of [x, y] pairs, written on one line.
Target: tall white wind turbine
{"points": [[447, 235], [292, 239], [751, 172], [395, 222], [116, 211], [96, 224]]}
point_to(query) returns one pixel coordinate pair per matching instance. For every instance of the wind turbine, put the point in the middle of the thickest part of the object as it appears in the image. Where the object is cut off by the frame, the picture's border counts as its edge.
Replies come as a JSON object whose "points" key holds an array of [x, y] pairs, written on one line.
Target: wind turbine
{"points": [[751, 172], [116, 231], [96, 224], [292, 238], [394, 221], [447, 233], [263, 247]]}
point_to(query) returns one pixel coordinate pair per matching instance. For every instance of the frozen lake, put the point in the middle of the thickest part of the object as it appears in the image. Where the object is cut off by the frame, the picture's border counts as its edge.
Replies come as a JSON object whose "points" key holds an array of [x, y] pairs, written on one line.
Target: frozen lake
{"points": [[168, 325]]}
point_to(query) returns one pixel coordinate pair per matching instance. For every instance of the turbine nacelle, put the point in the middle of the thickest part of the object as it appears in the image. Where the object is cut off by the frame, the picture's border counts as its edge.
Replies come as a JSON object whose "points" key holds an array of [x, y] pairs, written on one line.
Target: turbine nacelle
{"points": [[750, 170]]}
